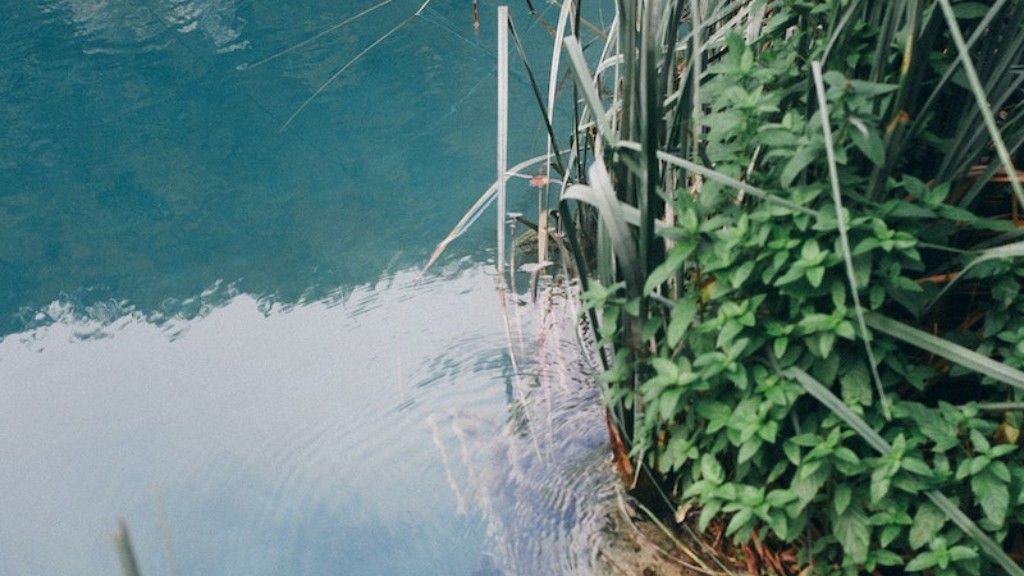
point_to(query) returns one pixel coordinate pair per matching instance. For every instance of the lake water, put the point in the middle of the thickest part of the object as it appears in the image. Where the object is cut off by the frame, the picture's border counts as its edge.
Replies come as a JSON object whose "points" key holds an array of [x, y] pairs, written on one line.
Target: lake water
{"points": [[213, 326]]}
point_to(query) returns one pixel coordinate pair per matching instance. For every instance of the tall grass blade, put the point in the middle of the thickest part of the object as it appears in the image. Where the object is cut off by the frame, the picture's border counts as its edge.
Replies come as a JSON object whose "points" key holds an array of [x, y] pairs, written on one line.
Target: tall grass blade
{"points": [[125, 554], [1001, 406], [650, 94], [610, 211], [830, 400], [711, 174], [556, 54], [998, 55], [1014, 250], [844, 240], [503, 28], [553, 140], [941, 347], [475, 211], [822, 394], [627, 212], [580, 72], [982, 99], [988, 546], [311, 39], [948, 74], [582, 272], [840, 28]]}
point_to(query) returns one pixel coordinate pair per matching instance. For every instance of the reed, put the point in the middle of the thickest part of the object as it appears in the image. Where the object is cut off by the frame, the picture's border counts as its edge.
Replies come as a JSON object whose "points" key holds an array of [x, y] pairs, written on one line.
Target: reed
{"points": [[125, 554], [802, 222]]}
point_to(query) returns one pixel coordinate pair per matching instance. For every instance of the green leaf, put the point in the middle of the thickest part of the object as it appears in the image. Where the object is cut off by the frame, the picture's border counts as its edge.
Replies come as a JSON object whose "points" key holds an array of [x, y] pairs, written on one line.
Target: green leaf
{"points": [[775, 136], [716, 413], [673, 262], [916, 466], [821, 343], [778, 521], [723, 122], [930, 196], [888, 558], [844, 454], [908, 210], [978, 464], [942, 432], [740, 274], [927, 523], [816, 323], [815, 275], [846, 330], [665, 368], [739, 520], [853, 533], [807, 486], [923, 561], [803, 158], [669, 403], [981, 443], [792, 452], [768, 431], [807, 440], [958, 553], [601, 194], [841, 498], [778, 498], [711, 469], [856, 383], [707, 513], [779, 346], [890, 533], [993, 496], [870, 144], [746, 61], [1000, 471], [880, 483], [749, 449], [681, 318], [586, 84], [794, 273]]}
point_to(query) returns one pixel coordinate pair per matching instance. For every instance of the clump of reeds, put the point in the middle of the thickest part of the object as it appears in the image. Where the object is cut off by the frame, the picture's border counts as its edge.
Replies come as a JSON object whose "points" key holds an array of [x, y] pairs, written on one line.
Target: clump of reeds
{"points": [[797, 227]]}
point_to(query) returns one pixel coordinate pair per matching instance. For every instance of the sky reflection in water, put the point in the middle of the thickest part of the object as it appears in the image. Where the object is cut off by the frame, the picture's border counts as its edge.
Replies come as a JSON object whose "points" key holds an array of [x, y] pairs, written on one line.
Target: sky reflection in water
{"points": [[276, 441], [212, 326]]}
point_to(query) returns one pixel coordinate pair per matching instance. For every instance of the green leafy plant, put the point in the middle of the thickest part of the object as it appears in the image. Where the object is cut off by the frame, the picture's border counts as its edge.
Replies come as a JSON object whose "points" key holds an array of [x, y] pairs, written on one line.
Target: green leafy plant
{"points": [[802, 219]]}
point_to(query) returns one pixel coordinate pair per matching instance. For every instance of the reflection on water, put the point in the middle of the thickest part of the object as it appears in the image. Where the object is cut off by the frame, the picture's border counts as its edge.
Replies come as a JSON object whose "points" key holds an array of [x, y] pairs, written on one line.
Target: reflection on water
{"points": [[215, 328], [138, 164], [274, 436], [138, 26], [311, 439], [541, 479]]}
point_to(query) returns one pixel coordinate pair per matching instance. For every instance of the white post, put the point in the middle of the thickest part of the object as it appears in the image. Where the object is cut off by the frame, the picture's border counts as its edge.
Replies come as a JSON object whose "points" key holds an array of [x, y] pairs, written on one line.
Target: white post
{"points": [[502, 130]]}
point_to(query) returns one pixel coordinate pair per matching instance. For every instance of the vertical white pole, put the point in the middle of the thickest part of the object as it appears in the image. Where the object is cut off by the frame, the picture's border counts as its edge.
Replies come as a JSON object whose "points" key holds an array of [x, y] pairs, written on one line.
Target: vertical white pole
{"points": [[502, 130]]}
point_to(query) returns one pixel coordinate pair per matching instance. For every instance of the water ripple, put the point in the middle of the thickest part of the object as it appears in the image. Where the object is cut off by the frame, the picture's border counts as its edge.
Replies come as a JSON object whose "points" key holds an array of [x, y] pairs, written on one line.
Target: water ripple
{"points": [[541, 476], [117, 28]]}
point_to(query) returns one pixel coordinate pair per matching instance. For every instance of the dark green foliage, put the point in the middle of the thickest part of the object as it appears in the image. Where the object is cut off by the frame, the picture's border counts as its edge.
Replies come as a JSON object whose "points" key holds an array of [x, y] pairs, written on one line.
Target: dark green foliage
{"points": [[778, 255]]}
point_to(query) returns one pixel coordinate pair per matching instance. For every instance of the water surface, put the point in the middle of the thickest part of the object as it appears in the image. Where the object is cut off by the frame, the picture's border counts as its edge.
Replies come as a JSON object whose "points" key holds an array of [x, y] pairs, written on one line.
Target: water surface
{"points": [[213, 325]]}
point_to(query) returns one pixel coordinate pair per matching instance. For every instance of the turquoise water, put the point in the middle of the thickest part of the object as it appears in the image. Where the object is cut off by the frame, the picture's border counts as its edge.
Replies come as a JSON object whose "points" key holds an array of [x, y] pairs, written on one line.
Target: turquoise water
{"points": [[212, 323]]}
